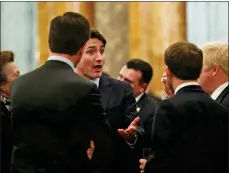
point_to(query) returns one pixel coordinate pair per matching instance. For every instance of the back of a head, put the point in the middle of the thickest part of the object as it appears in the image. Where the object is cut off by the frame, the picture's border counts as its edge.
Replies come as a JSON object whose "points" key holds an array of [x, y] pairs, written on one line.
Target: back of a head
{"points": [[216, 53], [144, 67], [68, 33], [184, 60]]}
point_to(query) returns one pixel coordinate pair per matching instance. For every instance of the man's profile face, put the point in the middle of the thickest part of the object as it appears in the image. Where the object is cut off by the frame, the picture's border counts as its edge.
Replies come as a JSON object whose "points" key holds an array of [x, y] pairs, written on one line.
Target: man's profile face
{"points": [[92, 61], [133, 77], [205, 79]]}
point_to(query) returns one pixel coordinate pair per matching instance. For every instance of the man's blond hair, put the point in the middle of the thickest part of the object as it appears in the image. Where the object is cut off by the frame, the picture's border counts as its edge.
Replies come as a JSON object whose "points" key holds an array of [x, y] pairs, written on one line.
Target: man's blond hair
{"points": [[216, 53]]}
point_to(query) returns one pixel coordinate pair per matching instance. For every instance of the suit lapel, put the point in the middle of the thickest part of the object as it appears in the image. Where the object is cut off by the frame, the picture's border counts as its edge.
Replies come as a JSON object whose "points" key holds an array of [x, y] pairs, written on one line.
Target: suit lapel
{"points": [[141, 103], [221, 97], [105, 91]]}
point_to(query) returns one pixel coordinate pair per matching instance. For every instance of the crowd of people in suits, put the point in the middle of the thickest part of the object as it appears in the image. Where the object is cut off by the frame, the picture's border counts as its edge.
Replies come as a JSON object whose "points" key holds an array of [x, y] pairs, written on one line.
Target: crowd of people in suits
{"points": [[68, 116]]}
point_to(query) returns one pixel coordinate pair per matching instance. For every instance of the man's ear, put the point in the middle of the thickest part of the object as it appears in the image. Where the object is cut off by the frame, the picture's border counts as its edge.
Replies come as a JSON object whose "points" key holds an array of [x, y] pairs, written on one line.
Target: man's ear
{"points": [[143, 87], [215, 70], [80, 52], [167, 71]]}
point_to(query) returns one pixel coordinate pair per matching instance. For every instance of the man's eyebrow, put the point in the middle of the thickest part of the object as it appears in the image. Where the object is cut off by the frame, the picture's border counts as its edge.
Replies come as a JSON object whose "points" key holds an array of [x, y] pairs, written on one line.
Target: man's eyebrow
{"points": [[91, 47]]}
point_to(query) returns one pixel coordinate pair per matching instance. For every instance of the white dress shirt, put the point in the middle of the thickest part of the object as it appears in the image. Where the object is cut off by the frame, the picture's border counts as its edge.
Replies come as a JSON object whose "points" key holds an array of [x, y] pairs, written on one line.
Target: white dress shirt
{"points": [[219, 90], [62, 59], [139, 97], [96, 81], [184, 85]]}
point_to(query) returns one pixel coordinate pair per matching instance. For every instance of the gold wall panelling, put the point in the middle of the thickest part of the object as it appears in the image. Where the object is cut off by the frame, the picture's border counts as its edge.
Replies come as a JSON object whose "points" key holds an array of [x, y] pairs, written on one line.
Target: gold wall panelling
{"points": [[111, 19], [157, 25]]}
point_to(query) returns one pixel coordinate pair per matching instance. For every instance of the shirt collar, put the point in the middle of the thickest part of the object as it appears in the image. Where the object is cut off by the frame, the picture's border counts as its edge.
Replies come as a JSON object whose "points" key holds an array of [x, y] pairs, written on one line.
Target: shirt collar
{"points": [[184, 85], [62, 59], [139, 97], [219, 90], [96, 81]]}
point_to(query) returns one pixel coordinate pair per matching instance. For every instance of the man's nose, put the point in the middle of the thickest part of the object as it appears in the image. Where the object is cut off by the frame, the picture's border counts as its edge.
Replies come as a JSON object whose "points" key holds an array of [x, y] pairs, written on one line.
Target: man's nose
{"points": [[99, 57]]}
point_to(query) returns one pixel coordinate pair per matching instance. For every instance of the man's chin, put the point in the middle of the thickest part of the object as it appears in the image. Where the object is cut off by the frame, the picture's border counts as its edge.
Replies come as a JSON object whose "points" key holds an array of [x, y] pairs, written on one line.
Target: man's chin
{"points": [[97, 75]]}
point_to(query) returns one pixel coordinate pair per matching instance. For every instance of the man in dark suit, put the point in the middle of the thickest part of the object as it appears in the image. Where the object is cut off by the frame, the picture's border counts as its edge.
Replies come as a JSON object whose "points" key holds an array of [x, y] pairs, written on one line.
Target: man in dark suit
{"points": [[189, 132], [58, 121], [117, 99], [214, 75], [139, 74]]}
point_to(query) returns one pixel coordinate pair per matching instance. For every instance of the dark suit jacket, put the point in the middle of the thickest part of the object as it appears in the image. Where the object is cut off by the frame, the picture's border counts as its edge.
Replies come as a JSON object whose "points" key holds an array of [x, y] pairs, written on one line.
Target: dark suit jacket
{"points": [[189, 134], [55, 114], [223, 98], [146, 106], [120, 106], [118, 102], [6, 141]]}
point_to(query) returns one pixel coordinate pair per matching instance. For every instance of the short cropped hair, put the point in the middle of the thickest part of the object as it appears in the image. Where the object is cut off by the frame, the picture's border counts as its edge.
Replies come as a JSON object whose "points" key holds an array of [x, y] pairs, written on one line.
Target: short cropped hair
{"points": [[185, 60], [142, 66], [68, 33]]}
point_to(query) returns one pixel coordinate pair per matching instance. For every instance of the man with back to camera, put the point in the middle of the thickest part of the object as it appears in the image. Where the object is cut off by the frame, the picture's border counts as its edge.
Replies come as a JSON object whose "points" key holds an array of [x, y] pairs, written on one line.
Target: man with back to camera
{"points": [[117, 99], [214, 76], [189, 134], [57, 117]]}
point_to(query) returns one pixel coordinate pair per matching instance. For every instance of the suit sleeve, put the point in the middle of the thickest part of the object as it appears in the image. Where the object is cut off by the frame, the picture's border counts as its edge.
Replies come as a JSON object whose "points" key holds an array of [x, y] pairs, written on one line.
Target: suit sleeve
{"points": [[130, 106], [161, 138], [99, 130]]}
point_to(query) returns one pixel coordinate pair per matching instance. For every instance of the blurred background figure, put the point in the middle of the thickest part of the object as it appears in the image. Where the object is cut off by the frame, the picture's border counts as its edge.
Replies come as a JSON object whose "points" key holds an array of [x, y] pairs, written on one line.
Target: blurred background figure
{"points": [[214, 76], [168, 91], [8, 73]]}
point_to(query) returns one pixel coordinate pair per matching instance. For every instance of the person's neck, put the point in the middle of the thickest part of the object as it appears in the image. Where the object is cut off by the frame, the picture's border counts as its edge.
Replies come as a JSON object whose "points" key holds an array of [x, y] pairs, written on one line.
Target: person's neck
{"points": [[177, 82], [218, 82], [79, 72], [63, 55]]}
